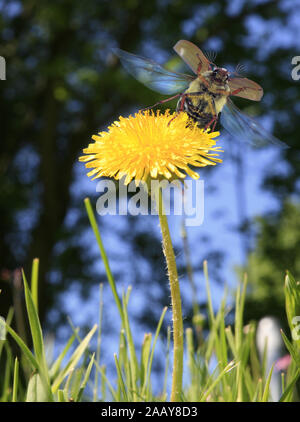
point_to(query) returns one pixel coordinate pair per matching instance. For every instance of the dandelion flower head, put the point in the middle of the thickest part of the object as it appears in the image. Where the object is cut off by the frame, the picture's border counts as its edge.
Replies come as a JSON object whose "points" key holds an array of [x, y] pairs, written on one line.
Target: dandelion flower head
{"points": [[149, 145]]}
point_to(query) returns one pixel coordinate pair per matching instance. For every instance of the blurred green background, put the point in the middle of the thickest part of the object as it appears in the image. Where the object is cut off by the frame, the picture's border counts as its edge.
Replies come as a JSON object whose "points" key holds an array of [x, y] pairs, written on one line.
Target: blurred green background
{"points": [[63, 84]]}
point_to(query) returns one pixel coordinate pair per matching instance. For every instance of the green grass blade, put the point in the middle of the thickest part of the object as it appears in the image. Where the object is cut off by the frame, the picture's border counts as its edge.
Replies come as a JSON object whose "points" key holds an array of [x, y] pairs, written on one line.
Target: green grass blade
{"points": [[208, 389], [77, 354], [223, 352], [266, 392], [164, 392], [105, 381], [288, 391], [103, 384], [37, 339], [30, 357], [133, 362], [191, 363], [16, 381], [61, 396], [153, 347], [231, 341], [145, 354], [72, 385], [3, 325], [249, 384], [292, 350], [57, 364], [34, 282], [86, 377], [282, 382], [95, 391], [239, 310], [209, 299], [292, 302], [35, 328], [37, 391], [5, 378], [110, 277], [120, 378], [258, 391]]}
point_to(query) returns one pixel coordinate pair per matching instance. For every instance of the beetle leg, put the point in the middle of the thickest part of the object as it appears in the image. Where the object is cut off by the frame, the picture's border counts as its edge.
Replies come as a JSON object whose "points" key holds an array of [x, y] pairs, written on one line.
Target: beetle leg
{"points": [[213, 121], [180, 109], [162, 101], [214, 125]]}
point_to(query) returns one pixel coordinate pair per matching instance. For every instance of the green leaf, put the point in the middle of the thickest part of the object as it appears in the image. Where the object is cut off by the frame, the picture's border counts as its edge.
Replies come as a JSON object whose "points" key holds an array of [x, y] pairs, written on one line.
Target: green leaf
{"points": [[36, 391]]}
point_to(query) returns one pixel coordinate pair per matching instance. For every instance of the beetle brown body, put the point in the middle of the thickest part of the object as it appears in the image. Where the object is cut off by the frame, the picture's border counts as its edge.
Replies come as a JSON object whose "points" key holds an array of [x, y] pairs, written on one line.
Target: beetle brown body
{"points": [[205, 97]]}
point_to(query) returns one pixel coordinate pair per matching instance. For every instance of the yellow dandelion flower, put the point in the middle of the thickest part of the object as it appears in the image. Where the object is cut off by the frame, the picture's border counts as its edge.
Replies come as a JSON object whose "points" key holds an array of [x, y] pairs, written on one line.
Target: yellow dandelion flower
{"points": [[150, 145]]}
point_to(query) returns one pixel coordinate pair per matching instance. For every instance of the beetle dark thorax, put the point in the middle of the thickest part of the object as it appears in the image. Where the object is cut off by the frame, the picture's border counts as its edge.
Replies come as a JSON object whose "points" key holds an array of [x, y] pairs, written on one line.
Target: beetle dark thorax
{"points": [[205, 97], [219, 76]]}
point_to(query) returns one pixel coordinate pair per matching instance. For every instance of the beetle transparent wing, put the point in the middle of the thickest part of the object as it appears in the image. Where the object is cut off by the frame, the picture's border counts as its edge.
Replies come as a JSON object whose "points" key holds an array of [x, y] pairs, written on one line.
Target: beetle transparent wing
{"points": [[192, 55], [152, 74], [244, 128], [250, 89]]}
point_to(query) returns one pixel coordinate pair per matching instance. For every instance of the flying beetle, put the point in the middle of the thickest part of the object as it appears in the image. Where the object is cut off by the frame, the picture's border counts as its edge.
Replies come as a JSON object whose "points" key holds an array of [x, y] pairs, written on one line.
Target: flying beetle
{"points": [[204, 97]]}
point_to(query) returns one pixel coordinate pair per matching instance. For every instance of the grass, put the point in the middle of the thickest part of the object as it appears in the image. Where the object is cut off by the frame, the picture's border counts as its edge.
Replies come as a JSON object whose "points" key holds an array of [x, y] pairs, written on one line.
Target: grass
{"points": [[222, 365]]}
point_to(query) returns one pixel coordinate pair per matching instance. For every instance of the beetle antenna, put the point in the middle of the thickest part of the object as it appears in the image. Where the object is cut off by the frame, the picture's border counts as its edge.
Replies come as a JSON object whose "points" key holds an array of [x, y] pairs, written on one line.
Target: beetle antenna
{"points": [[211, 55], [240, 70]]}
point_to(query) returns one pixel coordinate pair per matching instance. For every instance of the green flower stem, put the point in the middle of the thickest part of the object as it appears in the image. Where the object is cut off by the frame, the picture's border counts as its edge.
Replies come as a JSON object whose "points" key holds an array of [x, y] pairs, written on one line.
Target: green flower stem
{"points": [[175, 299], [110, 277]]}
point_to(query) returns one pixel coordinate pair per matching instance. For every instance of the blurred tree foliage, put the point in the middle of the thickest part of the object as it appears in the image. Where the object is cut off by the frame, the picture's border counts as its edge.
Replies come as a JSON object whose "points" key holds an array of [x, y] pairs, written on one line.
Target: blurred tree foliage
{"points": [[63, 84], [277, 249]]}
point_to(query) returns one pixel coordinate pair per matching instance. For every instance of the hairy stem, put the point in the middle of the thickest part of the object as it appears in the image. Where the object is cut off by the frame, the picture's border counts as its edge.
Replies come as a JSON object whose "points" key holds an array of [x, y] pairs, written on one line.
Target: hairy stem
{"points": [[175, 299]]}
